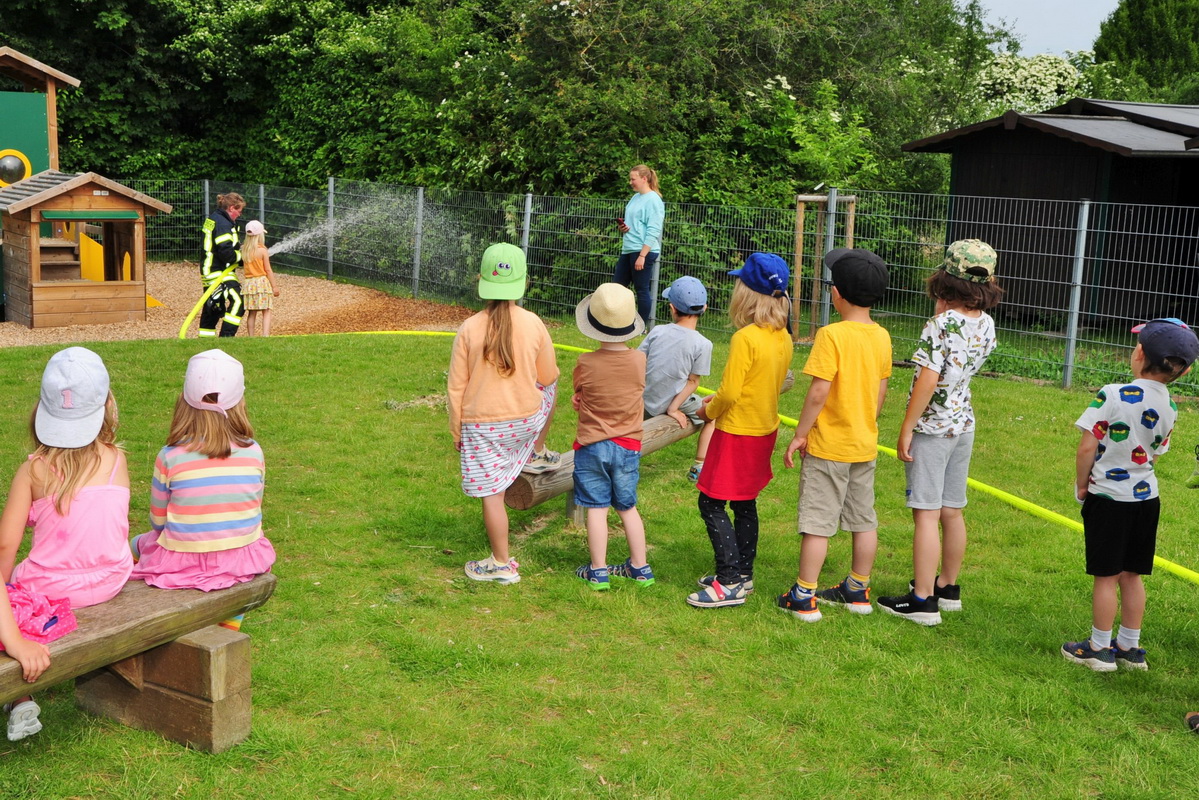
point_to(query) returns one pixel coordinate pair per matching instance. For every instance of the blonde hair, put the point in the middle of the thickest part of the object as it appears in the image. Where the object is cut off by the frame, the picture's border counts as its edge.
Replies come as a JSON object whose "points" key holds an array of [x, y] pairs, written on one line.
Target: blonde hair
{"points": [[210, 433], [753, 308], [250, 247], [230, 200], [497, 350], [68, 468], [650, 176]]}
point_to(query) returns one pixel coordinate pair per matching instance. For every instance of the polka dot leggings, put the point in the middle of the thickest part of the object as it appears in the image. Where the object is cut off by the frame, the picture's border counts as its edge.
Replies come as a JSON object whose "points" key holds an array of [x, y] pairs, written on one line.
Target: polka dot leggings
{"points": [[735, 542]]}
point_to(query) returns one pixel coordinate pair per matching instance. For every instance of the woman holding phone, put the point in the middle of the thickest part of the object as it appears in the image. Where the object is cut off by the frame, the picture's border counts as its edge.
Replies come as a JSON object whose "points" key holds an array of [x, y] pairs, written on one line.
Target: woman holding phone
{"points": [[642, 241]]}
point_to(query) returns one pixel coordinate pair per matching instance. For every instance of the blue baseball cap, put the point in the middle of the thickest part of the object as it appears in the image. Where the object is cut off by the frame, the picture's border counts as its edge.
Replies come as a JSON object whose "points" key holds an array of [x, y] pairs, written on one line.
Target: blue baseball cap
{"points": [[687, 295], [1167, 337], [765, 273]]}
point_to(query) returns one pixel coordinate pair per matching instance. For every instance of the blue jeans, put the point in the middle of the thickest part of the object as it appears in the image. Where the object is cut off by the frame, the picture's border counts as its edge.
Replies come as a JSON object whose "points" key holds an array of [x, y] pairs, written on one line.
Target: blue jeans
{"points": [[606, 475], [641, 279]]}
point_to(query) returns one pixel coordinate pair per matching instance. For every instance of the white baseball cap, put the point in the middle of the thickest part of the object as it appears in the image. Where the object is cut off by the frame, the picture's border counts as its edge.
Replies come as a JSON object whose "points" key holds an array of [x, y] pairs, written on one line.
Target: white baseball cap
{"points": [[214, 372], [70, 411], [254, 228]]}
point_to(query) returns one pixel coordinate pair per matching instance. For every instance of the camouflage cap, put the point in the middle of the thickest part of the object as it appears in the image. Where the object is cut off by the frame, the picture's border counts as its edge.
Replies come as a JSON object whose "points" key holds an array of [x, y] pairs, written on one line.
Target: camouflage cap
{"points": [[970, 259]]}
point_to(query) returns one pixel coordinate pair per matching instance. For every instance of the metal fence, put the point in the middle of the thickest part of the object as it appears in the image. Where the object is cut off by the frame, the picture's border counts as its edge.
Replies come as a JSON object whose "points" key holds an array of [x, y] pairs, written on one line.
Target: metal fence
{"points": [[1076, 275]]}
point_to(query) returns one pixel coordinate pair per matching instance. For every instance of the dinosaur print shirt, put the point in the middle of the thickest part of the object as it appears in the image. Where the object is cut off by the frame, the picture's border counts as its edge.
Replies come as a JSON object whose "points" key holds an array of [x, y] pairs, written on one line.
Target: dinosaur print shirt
{"points": [[955, 346], [1132, 422]]}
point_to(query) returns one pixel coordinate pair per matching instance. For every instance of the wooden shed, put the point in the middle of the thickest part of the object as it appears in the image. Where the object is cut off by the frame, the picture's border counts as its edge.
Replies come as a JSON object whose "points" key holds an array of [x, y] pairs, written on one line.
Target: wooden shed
{"points": [[1126, 157], [43, 283]]}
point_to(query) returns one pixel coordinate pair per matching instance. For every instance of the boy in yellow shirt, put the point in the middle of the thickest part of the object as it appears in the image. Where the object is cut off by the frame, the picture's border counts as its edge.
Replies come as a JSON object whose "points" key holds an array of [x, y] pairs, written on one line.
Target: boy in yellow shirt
{"points": [[837, 436]]}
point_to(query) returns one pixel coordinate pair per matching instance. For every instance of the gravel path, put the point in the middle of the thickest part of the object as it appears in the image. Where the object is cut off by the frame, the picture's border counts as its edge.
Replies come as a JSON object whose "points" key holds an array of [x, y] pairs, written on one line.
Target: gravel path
{"points": [[304, 305]]}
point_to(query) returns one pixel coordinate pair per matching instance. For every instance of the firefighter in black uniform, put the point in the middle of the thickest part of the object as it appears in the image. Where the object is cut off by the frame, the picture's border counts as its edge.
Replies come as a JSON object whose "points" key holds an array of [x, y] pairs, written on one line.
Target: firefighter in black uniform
{"points": [[220, 253]]}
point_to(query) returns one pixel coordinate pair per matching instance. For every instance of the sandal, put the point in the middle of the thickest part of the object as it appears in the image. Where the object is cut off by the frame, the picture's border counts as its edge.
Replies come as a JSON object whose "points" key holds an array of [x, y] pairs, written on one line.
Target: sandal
{"points": [[1192, 720]]}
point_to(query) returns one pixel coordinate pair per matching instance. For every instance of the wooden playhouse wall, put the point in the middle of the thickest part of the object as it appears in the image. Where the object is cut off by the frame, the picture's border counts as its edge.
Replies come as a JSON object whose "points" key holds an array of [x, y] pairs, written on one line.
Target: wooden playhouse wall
{"points": [[38, 303]]}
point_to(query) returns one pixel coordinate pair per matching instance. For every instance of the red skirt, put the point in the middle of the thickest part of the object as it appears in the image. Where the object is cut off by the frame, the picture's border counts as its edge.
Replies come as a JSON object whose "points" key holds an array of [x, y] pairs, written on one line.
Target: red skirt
{"points": [[737, 467]]}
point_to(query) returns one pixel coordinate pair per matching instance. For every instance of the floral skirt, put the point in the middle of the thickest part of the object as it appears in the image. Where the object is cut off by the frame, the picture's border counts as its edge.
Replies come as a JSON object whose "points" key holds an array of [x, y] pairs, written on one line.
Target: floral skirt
{"points": [[494, 453], [258, 294]]}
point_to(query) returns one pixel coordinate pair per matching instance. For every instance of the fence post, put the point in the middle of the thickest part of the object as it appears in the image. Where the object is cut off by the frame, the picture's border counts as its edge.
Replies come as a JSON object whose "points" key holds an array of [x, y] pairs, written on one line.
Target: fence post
{"points": [[830, 221], [262, 204], [420, 227], [207, 210], [329, 232], [1080, 251], [524, 232]]}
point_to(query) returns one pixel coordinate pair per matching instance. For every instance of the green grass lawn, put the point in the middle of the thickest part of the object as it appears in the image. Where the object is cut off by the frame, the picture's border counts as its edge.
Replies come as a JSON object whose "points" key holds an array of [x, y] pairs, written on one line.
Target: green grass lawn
{"points": [[381, 671]]}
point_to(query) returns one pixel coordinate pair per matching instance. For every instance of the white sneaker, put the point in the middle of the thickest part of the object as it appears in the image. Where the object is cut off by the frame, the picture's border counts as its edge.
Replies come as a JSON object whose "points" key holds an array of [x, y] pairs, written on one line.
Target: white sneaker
{"points": [[22, 720], [544, 461], [491, 570]]}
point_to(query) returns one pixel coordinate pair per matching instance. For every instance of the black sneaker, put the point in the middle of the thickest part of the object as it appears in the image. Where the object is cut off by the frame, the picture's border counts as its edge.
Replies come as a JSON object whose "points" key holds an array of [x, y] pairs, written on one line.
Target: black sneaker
{"points": [[949, 598], [922, 612]]}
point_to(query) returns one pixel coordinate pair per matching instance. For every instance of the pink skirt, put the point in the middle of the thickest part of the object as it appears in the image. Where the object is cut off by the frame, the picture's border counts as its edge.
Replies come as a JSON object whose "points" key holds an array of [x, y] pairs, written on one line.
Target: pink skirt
{"points": [[39, 618], [737, 467], [169, 569]]}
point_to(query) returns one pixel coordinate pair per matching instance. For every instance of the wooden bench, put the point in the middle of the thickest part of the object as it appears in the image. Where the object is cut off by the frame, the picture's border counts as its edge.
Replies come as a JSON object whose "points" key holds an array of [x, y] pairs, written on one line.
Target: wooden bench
{"points": [[155, 659]]}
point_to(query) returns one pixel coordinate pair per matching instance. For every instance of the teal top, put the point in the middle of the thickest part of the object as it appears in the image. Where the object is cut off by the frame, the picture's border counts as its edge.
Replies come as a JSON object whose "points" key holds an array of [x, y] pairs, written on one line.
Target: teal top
{"points": [[643, 214]]}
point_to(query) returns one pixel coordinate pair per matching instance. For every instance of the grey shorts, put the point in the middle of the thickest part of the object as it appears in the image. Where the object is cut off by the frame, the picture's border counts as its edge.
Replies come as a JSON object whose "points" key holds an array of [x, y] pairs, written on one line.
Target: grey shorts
{"points": [[690, 407], [832, 492], [937, 475]]}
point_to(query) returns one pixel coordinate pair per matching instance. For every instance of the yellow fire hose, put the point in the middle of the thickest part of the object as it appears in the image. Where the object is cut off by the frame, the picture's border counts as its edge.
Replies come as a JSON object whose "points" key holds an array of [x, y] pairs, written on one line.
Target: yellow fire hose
{"points": [[203, 299]]}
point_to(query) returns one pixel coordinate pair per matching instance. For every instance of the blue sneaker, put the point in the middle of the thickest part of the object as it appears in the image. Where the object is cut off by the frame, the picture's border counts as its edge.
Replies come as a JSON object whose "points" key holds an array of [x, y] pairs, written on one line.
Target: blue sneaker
{"points": [[1081, 653], [644, 576], [1133, 658], [803, 608], [842, 595], [597, 579]]}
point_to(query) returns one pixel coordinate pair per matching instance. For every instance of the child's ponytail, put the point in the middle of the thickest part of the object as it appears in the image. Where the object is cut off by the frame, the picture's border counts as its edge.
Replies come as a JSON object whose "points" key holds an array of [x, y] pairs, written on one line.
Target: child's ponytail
{"points": [[497, 351]]}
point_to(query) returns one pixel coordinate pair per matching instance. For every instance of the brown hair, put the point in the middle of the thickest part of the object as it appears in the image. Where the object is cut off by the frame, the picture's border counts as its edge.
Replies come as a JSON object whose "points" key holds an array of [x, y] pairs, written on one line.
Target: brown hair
{"points": [[1172, 367], [68, 468], [211, 433], [497, 350], [650, 175], [959, 291], [753, 308], [230, 200]]}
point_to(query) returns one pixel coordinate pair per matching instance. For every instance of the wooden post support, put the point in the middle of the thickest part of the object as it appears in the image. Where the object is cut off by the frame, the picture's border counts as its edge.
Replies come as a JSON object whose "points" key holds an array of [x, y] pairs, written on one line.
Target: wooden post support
{"points": [[194, 690]]}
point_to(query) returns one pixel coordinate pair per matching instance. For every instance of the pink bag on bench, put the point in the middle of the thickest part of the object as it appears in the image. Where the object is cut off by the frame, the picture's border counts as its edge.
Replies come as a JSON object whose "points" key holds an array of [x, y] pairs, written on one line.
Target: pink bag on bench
{"points": [[39, 618]]}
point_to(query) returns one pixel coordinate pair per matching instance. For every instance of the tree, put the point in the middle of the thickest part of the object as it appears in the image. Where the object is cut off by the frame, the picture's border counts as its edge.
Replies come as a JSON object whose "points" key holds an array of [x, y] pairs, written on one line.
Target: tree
{"points": [[1153, 48]]}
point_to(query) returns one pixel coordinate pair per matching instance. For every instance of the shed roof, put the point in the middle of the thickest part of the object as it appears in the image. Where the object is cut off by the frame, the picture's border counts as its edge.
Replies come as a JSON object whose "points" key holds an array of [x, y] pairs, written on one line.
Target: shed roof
{"points": [[30, 71], [1118, 134], [1166, 137], [41, 187]]}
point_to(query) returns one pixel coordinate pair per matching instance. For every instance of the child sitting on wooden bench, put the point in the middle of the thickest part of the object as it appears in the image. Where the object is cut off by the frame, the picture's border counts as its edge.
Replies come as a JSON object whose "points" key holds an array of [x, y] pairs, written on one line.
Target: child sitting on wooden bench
{"points": [[74, 492], [206, 494]]}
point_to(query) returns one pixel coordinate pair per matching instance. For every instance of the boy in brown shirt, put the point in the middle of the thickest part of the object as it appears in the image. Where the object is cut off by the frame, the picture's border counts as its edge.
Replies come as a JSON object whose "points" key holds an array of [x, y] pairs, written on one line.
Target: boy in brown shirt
{"points": [[609, 383]]}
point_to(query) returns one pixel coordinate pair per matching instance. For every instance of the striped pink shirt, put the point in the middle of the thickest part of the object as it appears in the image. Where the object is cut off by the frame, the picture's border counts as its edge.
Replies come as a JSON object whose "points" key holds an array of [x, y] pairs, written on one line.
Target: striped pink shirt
{"points": [[201, 505]]}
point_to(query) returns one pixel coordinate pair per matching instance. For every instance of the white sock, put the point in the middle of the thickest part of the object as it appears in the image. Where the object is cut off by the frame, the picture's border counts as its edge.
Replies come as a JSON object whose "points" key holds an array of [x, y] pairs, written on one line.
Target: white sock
{"points": [[1128, 638], [1100, 640]]}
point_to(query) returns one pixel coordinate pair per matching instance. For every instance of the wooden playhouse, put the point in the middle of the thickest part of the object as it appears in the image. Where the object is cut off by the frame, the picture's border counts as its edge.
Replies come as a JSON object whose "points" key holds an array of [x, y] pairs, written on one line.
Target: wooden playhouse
{"points": [[74, 250]]}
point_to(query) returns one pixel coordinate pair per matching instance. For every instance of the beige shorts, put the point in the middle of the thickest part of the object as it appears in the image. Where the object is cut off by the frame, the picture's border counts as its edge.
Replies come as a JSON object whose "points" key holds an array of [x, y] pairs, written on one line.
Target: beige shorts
{"points": [[832, 492]]}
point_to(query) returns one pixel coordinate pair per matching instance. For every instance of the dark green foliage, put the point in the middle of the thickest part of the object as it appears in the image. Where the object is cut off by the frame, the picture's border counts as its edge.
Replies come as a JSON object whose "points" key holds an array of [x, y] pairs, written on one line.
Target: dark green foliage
{"points": [[1153, 46], [733, 101]]}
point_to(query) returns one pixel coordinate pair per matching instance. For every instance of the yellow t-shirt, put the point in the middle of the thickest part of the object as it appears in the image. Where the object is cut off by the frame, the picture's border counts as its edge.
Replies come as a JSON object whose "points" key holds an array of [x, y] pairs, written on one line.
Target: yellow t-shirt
{"points": [[747, 402], [855, 357]]}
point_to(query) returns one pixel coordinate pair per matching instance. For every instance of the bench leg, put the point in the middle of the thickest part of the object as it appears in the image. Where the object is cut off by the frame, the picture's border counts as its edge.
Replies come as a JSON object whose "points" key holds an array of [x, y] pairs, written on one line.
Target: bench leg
{"points": [[194, 690]]}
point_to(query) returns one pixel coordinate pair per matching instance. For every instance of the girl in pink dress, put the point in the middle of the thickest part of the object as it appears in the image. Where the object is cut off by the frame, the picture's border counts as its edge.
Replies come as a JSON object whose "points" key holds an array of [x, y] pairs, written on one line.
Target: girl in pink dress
{"points": [[73, 491], [206, 494]]}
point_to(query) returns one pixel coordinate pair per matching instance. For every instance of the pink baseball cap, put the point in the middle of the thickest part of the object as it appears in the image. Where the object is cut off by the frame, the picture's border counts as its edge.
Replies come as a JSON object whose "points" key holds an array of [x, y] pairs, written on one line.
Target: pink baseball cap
{"points": [[254, 228], [214, 372]]}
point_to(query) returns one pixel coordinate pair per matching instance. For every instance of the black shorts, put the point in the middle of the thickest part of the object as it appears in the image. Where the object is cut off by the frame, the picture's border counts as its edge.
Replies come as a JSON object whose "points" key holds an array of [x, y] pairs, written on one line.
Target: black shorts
{"points": [[1120, 537]]}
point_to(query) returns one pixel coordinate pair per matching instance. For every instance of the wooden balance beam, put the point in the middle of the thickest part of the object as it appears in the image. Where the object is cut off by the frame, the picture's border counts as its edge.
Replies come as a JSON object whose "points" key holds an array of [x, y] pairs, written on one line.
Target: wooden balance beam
{"points": [[155, 659], [533, 489]]}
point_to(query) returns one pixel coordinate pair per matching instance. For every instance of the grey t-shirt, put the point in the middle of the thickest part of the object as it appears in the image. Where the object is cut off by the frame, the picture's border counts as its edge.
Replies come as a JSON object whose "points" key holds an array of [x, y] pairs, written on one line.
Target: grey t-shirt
{"points": [[672, 354]]}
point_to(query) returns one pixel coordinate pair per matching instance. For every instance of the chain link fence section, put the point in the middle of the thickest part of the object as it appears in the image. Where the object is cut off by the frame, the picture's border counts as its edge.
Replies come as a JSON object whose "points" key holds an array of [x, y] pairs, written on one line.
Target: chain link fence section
{"points": [[1076, 275]]}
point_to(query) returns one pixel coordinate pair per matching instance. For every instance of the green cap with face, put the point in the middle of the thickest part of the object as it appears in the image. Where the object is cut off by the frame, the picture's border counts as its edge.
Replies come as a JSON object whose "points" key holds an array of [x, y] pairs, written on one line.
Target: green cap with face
{"points": [[502, 273]]}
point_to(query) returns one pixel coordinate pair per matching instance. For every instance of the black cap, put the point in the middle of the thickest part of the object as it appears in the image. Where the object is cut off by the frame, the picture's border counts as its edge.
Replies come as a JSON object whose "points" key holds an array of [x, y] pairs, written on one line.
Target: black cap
{"points": [[859, 275]]}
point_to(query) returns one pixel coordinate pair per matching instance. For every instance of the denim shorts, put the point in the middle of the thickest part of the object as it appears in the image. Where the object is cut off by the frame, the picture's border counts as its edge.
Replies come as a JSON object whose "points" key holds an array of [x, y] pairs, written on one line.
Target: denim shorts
{"points": [[606, 475]]}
